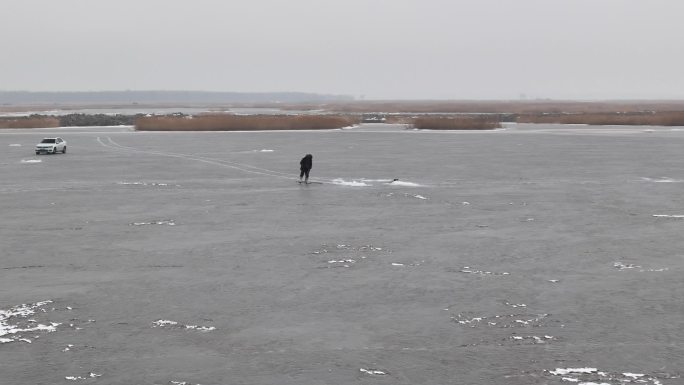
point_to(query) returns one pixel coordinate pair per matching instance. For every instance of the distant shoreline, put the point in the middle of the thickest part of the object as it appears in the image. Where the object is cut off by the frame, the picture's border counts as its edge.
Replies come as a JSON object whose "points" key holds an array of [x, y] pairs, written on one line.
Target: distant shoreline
{"points": [[437, 114]]}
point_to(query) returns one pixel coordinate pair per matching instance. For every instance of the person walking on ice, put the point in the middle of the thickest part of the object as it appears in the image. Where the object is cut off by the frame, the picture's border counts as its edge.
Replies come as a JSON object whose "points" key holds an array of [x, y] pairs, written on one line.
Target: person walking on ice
{"points": [[305, 166]]}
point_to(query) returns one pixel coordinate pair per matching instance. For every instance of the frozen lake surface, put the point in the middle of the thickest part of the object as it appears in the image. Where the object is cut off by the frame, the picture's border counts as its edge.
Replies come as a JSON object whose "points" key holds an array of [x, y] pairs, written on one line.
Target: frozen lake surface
{"points": [[532, 255]]}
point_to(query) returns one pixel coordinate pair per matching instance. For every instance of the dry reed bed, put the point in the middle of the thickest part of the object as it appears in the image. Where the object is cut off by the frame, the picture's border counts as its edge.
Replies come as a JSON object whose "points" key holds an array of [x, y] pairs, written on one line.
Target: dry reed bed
{"points": [[244, 122], [456, 123], [672, 118], [29, 122]]}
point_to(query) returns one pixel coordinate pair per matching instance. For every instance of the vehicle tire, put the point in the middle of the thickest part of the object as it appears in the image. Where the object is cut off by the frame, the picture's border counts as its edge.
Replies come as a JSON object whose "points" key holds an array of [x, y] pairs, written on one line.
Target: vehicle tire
{"points": [[37, 152], [64, 150]]}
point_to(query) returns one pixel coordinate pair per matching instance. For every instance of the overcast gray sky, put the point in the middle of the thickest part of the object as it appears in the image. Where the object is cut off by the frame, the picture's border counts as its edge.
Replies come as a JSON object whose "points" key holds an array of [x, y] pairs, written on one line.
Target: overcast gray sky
{"points": [[383, 49]]}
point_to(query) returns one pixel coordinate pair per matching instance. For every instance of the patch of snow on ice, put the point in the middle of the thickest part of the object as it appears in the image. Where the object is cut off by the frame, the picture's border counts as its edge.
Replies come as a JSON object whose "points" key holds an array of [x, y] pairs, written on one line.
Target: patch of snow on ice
{"points": [[353, 183], [468, 270], [403, 184], [622, 266], [168, 222], [561, 371], [15, 145], [506, 321], [200, 328], [374, 372], [662, 179], [162, 323], [154, 184], [533, 339], [175, 325], [342, 263], [81, 378], [266, 150], [31, 161], [420, 197], [515, 305], [655, 270], [13, 333], [673, 216], [588, 376]]}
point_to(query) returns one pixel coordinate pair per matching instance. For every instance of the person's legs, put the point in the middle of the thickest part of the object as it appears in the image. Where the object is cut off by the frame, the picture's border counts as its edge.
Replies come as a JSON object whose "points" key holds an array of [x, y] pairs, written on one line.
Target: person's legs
{"points": [[301, 175], [306, 172]]}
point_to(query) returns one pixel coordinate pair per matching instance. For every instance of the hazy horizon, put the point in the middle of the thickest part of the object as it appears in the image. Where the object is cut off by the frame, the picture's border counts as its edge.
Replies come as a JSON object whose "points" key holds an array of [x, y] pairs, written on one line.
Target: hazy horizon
{"points": [[316, 97], [368, 49]]}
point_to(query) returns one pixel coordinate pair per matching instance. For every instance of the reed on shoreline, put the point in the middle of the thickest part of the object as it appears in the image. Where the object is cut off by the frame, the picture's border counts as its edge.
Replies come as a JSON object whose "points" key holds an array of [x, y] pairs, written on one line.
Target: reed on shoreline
{"points": [[29, 122], [243, 122], [668, 118], [480, 122]]}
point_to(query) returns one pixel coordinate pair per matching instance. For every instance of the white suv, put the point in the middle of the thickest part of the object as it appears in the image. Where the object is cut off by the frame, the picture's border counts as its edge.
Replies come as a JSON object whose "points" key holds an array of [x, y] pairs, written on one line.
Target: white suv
{"points": [[51, 146]]}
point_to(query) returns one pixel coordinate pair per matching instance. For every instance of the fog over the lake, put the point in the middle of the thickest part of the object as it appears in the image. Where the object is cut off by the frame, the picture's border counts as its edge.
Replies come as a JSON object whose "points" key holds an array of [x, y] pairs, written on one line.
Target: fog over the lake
{"points": [[377, 49]]}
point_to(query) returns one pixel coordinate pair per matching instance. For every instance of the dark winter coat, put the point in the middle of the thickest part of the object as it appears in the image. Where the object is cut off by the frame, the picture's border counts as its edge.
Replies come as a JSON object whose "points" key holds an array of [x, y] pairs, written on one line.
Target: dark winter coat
{"points": [[307, 162]]}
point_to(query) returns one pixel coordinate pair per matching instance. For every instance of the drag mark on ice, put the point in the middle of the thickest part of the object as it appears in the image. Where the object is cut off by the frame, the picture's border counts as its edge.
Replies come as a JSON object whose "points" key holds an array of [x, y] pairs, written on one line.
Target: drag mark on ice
{"points": [[111, 144]]}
